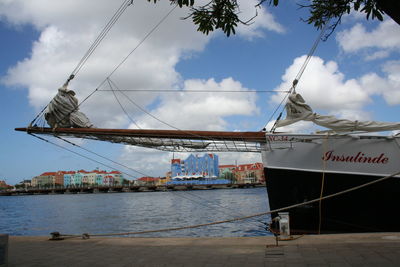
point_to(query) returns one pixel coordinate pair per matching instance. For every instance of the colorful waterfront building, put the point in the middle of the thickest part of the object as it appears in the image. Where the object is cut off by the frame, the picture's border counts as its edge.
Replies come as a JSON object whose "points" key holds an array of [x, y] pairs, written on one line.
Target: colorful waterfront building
{"points": [[177, 167], [195, 167], [108, 180], [99, 177], [250, 173], [45, 179], [59, 178], [91, 178], [77, 178], [147, 181], [68, 178], [227, 172], [4, 185], [118, 178]]}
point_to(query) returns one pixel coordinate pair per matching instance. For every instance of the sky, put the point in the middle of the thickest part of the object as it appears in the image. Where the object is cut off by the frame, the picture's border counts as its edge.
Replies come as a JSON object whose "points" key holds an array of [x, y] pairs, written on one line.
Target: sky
{"points": [[355, 74]]}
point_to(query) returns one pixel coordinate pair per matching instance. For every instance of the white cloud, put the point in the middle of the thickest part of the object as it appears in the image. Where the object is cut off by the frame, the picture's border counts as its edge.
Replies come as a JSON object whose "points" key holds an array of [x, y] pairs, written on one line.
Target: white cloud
{"points": [[388, 86], [385, 37], [205, 110], [148, 162], [229, 158], [263, 20], [324, 87], [377, 55]]}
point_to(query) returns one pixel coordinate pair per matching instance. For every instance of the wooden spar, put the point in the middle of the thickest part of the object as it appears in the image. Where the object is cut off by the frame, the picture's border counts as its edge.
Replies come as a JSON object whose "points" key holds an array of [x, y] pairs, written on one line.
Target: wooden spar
{"points": [[162, 134]]}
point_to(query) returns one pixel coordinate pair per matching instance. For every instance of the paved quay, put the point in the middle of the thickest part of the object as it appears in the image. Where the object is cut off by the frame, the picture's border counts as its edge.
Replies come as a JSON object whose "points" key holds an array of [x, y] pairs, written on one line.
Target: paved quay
{"points": [[381, 249]]}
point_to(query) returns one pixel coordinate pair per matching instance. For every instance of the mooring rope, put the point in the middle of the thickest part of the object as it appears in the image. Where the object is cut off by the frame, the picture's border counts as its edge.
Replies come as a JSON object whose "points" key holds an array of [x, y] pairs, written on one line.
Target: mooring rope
{"points": [[86, 235]]}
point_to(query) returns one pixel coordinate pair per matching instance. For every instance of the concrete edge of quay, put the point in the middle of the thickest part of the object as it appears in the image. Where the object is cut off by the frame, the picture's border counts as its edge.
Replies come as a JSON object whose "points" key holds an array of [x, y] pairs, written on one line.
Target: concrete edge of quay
{"points": [[367, 249]]}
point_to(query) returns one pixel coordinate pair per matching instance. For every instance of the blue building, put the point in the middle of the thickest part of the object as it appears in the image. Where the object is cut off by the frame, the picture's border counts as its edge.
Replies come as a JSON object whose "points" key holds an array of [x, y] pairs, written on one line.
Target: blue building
{"points": [[68, 178], [195, 167]]}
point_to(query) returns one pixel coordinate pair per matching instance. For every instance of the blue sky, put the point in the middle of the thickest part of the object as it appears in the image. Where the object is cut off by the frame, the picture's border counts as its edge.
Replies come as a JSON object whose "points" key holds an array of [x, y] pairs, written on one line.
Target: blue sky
{"points": [[355, 74]]}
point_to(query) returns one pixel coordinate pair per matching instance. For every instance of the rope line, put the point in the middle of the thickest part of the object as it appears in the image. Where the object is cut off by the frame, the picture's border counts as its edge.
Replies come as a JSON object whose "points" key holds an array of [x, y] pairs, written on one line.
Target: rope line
{"points": [[298, 76], [143, 109], [101, 36], [250, 216], [196, 91], [138, 45], [94, 153], [324, 164], [155, 117], [120, 104], [76, 153]]}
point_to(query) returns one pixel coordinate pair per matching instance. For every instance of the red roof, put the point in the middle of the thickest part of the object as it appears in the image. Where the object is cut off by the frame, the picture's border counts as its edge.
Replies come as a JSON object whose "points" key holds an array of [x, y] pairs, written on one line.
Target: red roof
{"points": [[148, 179], [175, 161], [48, 174], [226, 166], [252, 166]]}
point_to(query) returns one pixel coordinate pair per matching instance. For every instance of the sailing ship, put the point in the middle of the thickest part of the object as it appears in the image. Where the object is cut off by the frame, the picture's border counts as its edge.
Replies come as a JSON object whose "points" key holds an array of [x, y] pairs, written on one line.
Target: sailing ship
{"points": [[357, 170], [298, 167]]}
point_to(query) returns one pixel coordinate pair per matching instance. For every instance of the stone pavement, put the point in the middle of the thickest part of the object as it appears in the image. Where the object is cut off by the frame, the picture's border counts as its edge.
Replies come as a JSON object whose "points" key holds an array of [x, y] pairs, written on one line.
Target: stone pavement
{"points": [[381, 249]]}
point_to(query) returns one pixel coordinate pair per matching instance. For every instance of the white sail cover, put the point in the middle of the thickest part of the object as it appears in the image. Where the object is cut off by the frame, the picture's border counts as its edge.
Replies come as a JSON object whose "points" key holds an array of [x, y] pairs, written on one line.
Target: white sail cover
{"points": [[298, 110], [63, 111]]}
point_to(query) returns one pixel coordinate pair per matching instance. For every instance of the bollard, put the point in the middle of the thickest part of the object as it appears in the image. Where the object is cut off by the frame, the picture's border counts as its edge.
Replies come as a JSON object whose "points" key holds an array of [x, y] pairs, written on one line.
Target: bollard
{"points": [[3, 250]]}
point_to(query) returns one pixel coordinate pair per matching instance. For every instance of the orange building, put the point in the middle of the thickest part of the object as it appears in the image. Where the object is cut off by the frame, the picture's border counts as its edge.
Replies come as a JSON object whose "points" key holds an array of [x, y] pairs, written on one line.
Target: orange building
{"points": [[249, 173]]}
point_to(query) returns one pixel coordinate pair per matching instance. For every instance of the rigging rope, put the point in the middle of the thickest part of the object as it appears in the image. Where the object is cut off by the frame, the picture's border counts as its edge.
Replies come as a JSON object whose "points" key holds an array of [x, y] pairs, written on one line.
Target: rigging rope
{"points": [[94, 153], [138, 45], [196, 91], [76, 153], [99, 38], [246, 217], [92, 48], [324, 164], [297, 78], [119, 102], [158, 119]]}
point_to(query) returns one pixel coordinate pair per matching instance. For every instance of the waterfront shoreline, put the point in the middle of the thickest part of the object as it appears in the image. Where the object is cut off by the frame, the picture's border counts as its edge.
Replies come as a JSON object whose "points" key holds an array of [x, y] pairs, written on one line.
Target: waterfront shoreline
{"points": [[124, 189], [370, 249]]}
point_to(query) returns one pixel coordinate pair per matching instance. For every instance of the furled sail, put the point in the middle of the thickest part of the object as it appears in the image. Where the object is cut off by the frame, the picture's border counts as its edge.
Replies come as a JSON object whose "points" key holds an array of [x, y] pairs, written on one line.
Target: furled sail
{"points": [[63, 111], [298, 110]]}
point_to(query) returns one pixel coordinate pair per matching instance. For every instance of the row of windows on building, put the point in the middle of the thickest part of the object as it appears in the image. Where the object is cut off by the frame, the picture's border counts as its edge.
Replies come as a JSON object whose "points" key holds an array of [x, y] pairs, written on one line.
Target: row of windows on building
{"points": [[205, 166], [73, 178]]}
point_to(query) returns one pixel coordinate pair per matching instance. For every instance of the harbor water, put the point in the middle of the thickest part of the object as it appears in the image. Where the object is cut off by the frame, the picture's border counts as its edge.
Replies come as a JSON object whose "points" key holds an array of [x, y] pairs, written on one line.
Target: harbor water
{"points": [[38, 215]]}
